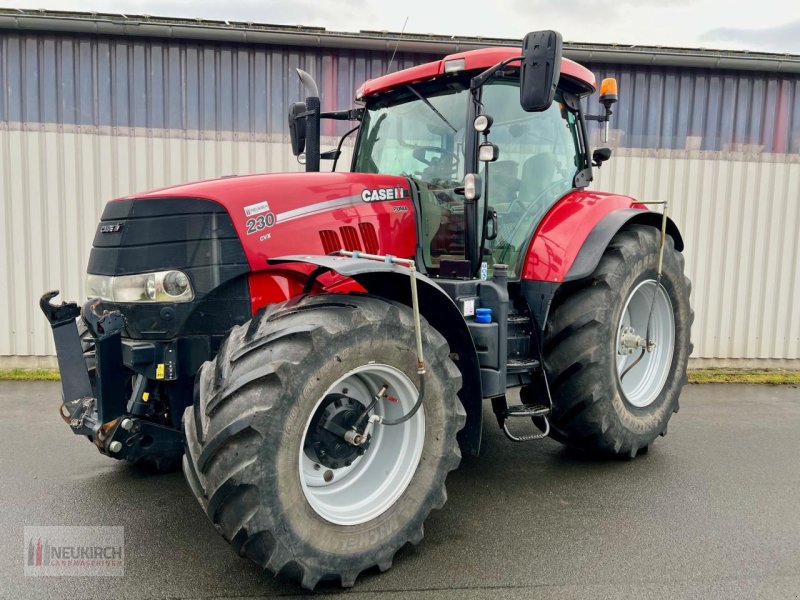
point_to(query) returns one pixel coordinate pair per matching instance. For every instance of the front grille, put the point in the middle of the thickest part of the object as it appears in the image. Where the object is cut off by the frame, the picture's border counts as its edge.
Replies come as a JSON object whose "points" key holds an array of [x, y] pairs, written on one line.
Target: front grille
{"points": [[194, 235]]}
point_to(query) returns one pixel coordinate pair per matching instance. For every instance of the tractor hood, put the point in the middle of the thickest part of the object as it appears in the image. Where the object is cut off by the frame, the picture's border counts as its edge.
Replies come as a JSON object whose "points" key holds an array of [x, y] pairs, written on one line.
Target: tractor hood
{"points": [[218, 232], [308, 213]]}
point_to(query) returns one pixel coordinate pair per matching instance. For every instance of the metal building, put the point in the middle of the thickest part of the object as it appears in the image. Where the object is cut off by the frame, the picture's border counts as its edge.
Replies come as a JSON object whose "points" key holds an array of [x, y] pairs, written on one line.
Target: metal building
{"points": [[98, 106]]}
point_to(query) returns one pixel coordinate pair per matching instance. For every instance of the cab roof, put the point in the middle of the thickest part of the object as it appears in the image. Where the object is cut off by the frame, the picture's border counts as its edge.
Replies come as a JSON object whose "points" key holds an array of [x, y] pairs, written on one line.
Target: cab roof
{"points": [[577, 75]]}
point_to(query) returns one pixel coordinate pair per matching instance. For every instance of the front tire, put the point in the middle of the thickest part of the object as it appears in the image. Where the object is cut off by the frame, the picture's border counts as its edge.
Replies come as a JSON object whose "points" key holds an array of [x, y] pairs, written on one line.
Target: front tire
{"points": [[248, 437], [603, 404]]}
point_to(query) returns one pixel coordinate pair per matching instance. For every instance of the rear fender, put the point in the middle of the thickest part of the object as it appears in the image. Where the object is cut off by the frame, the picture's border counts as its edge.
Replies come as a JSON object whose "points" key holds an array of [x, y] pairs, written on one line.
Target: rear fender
{"points": [[598, 239], [571, 238], [391, 281]]}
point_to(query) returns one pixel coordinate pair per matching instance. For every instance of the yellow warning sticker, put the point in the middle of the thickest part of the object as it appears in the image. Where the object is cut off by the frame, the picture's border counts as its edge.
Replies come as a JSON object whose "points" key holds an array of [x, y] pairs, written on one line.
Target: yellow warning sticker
{"points": [[145, 396], [160, 371]]}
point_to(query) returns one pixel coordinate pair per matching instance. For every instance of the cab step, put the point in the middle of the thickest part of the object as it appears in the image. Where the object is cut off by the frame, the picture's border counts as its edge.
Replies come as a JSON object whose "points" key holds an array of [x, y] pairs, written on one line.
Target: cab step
{"points": [[517, 319], [521, 365], [503, 412], [527, 410]]}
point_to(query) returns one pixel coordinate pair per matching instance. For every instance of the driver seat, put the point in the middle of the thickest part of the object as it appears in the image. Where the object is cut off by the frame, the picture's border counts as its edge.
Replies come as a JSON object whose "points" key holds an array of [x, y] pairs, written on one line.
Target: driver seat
{"points": [[537, 175]]}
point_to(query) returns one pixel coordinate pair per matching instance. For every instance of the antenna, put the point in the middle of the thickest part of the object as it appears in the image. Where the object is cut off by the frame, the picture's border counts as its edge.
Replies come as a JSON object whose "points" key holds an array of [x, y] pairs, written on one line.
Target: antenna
{"points": [[397, 43]]}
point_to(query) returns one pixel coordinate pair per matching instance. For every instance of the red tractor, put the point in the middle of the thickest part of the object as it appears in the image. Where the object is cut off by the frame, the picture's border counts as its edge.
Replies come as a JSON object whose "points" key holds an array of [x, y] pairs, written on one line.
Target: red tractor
{"points": [[318, 346]]}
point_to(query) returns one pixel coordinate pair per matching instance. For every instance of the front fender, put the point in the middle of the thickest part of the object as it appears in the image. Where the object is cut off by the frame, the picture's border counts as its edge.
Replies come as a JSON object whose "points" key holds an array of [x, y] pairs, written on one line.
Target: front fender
{"points": [[391, 281]]}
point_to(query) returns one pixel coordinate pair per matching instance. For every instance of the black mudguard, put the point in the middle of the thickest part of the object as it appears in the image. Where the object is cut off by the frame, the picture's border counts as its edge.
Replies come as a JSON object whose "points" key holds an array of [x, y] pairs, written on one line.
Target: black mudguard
{"points": [[598, 239]]}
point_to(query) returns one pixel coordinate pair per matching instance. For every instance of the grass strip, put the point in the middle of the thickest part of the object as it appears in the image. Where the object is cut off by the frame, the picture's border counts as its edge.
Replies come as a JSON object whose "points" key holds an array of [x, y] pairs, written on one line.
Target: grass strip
{"points": [[757, 376]]}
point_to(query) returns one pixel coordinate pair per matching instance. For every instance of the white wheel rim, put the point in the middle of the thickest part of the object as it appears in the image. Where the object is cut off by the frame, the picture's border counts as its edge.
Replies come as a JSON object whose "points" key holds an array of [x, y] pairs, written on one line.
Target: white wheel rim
{"points": [[644, 382], [375, 481]]}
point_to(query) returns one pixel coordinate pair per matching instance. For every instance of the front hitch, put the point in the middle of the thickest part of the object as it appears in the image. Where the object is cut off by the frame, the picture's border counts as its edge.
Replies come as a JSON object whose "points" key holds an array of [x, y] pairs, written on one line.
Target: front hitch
{"points": [[96, 406], [75, 382], [106, 329], [91, 411]]}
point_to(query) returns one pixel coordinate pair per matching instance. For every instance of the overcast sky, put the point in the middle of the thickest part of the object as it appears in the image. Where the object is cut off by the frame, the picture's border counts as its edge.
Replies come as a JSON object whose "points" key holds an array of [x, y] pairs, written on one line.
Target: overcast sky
{"points": [[766, 25]]}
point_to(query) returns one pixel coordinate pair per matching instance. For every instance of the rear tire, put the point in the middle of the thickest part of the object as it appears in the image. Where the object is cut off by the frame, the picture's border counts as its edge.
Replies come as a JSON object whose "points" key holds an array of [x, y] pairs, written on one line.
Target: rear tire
{"points": [[592, 409], [253, 405]]}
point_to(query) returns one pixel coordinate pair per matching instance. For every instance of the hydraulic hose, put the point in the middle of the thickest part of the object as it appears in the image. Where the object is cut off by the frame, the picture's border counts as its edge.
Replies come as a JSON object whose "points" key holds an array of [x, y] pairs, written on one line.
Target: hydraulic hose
{"points": [[415, 408], [399, 420]]}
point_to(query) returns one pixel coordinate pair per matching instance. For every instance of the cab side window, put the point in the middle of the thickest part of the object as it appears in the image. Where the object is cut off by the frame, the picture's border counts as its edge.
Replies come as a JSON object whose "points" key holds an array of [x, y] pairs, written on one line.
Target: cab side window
{"points": [[539, 157]]}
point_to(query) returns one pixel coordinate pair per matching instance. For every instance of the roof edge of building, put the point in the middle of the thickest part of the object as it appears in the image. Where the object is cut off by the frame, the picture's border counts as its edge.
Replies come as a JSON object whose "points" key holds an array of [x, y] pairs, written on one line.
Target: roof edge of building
{"points": [[258, 33]]}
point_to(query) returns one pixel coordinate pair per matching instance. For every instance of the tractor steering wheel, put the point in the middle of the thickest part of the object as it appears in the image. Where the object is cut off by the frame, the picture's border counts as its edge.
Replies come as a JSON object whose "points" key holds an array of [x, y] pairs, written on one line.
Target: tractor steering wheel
{"points": [[420, 152]]}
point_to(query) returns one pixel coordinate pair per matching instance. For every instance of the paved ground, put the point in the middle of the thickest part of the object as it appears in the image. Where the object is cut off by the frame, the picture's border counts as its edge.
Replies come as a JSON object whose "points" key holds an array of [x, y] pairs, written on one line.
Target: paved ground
{"points": [[712, 511]]}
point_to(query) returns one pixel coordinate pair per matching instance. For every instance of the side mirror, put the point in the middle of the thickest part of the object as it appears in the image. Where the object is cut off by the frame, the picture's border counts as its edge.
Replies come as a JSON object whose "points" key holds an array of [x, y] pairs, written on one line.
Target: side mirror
{"points": [[541, 68], [601, 155], [297, 127]]}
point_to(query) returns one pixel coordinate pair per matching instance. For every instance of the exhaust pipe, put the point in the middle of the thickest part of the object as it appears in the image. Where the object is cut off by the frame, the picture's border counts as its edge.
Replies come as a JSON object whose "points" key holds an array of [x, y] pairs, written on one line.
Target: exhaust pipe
{"points": [[312, 121]]}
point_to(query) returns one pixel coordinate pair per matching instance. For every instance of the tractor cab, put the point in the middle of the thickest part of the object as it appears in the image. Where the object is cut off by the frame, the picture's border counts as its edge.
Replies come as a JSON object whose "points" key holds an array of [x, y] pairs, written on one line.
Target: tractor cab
{"points": [[485, 168], [423, 132]]}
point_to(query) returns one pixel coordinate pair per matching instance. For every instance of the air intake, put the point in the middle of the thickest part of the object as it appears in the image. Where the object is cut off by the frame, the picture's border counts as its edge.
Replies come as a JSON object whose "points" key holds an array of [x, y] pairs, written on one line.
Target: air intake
{"points": [[350, 238], [330, 241]]}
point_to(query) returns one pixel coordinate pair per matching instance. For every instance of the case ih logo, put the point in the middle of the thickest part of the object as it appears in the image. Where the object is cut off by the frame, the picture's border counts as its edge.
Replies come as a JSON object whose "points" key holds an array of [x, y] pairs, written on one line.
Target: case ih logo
{"points": [[115, 228], [74, 551], [383, 194]]}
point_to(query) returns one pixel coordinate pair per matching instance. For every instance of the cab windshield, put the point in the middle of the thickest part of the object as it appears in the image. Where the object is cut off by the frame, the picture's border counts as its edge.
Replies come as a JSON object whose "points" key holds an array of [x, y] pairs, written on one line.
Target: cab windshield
{"points": [[416, 136]]}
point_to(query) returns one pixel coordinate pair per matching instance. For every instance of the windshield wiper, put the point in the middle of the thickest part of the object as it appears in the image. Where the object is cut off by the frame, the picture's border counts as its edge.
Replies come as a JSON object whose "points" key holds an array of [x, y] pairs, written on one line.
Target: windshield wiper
{"points": [[432, 107]]}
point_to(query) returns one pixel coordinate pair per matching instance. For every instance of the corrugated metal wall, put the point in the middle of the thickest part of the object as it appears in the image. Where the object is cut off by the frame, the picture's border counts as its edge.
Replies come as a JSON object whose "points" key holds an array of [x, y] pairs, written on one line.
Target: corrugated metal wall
{"points": [[724, 148], [85, 119]]}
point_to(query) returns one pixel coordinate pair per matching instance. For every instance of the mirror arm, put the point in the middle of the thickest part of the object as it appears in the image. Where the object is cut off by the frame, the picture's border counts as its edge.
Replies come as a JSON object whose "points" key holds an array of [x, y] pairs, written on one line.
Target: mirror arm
{"points": [[354, 114], [483, 77]]}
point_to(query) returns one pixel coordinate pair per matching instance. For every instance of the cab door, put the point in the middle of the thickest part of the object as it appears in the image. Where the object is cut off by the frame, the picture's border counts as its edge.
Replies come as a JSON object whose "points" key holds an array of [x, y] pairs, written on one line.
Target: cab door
{"points": [[538, 159]]}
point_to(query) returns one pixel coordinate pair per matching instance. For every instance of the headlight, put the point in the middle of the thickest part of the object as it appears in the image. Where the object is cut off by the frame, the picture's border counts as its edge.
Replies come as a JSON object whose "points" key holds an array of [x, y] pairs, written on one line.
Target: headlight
{"points": [[161, 286]]}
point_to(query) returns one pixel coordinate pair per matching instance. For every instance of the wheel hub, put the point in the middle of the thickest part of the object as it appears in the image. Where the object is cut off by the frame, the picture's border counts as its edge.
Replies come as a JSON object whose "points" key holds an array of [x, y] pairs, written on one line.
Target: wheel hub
{"points": [[324, 443], [354, 494], [630, 342]]}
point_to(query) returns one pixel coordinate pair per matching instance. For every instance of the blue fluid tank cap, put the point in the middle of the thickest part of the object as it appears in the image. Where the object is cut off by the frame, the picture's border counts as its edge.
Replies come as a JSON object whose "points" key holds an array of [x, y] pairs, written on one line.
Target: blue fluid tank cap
{"points": [[483, 315]]}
